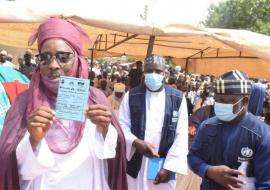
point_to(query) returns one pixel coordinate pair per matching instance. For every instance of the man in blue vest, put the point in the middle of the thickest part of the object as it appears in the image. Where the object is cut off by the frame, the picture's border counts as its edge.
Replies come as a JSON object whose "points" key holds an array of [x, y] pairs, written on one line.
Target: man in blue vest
{"points": [[155, 122], [232, 149]]}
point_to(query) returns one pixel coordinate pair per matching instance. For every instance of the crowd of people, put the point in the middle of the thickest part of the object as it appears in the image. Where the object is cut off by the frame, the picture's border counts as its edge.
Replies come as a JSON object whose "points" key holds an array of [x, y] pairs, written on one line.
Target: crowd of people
{"points": [[137, 115], [199, 89], [25, 64]]}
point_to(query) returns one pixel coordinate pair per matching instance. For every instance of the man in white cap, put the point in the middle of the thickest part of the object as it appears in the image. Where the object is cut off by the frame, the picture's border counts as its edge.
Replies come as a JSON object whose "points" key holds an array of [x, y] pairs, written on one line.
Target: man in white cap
{"points": [[117, 96], [3, 56], [155, 122], [4, 60]]}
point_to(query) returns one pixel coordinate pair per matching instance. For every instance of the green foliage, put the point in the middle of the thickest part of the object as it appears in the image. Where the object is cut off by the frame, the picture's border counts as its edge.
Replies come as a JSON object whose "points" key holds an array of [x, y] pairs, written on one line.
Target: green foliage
{"points": [[130, 59], [103, 59], [251, 15], [109, 59]]}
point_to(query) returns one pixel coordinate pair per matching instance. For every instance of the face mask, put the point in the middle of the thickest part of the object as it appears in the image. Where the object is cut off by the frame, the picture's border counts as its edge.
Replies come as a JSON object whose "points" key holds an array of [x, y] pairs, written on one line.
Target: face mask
{"points": [[153, 81], [51, 84], [224, 112]]}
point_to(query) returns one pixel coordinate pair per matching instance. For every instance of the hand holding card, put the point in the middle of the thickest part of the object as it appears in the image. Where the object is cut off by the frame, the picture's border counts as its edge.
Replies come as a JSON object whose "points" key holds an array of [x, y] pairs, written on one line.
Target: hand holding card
{"points": [[154, 167]]}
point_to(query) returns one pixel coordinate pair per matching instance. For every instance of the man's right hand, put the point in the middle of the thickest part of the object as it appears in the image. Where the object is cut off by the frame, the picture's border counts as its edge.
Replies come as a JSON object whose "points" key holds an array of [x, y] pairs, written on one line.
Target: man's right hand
{"points": [[39, 122], [144, 148], [225, 176]]}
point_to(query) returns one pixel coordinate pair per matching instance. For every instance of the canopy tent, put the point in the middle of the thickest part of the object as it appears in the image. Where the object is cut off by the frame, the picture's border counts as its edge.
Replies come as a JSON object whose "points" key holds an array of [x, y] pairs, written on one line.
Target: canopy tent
{"points": [[200, 50]]}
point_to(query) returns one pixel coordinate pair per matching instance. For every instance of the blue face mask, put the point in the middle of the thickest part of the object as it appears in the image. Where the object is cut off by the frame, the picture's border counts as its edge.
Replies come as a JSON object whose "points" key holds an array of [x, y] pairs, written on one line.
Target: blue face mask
{"points": [[224, 112], [153, 81]]}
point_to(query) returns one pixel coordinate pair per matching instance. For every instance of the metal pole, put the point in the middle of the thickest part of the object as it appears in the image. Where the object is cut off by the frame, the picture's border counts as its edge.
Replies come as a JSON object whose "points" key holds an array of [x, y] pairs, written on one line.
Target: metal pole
{"points": [[150, 46], [92, 58], [186, 69]]}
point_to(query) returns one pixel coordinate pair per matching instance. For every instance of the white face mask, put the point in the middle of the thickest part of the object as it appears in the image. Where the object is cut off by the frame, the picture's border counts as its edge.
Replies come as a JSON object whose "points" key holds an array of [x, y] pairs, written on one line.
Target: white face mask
{"points": [[224, 112], [153, 81]]}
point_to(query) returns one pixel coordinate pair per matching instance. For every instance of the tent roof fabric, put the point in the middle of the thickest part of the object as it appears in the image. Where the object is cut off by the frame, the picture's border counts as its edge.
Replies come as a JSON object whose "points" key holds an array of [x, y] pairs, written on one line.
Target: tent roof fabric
{"points": [[112, 37]]}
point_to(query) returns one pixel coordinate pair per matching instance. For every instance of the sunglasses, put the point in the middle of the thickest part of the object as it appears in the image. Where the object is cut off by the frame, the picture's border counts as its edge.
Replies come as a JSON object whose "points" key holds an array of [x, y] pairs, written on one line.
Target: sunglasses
{"points": [[61, 57]]}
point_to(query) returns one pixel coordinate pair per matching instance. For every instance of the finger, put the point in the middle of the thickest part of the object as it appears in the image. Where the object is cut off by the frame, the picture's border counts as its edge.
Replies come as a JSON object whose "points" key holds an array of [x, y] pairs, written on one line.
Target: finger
{"points": [[41, 119], [46, 109], [98, 106], [235, 180], [151, 146], [43, 113], [37, 124], [151, 149], [94, 113], [237, 186], [101, 119], [155, 155], [152, 153], [230, 187], [233, 172]]}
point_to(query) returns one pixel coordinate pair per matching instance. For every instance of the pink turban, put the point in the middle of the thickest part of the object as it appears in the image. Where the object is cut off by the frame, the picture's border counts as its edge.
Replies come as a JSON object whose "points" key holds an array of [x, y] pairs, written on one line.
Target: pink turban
{"points": [[60, 28]]}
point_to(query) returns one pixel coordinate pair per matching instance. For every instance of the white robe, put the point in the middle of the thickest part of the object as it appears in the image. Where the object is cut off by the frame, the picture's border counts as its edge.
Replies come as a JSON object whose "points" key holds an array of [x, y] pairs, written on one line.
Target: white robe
{"points": [[83, 168], [9, 64], [176, 160]]}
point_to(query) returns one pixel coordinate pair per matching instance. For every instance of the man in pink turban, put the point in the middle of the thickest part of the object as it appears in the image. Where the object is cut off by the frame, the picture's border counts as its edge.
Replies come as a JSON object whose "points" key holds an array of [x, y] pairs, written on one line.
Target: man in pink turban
{"points": [[39, 151]]}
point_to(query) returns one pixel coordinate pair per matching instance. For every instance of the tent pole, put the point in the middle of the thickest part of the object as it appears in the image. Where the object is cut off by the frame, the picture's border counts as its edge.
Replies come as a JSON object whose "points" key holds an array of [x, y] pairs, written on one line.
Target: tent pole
{"points": [[92, 58], [186, 69], [150, 46]]}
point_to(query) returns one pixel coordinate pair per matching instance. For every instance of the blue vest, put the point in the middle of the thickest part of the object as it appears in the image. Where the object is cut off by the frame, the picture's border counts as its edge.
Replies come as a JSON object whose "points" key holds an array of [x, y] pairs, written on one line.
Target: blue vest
{"points": [[241, 145], [138, 118]]}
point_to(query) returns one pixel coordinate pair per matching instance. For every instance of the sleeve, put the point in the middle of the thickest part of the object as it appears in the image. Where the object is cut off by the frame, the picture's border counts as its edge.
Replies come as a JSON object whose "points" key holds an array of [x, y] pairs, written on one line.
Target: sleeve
{"points": [[124, 119], [195, 162], [105, 148], [262, 164], [176, 159], [32, 164]]}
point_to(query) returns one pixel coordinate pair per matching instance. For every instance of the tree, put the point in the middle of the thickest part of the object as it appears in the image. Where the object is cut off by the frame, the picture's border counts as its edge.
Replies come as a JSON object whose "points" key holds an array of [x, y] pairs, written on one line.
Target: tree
{"points": [[251, 15]]}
